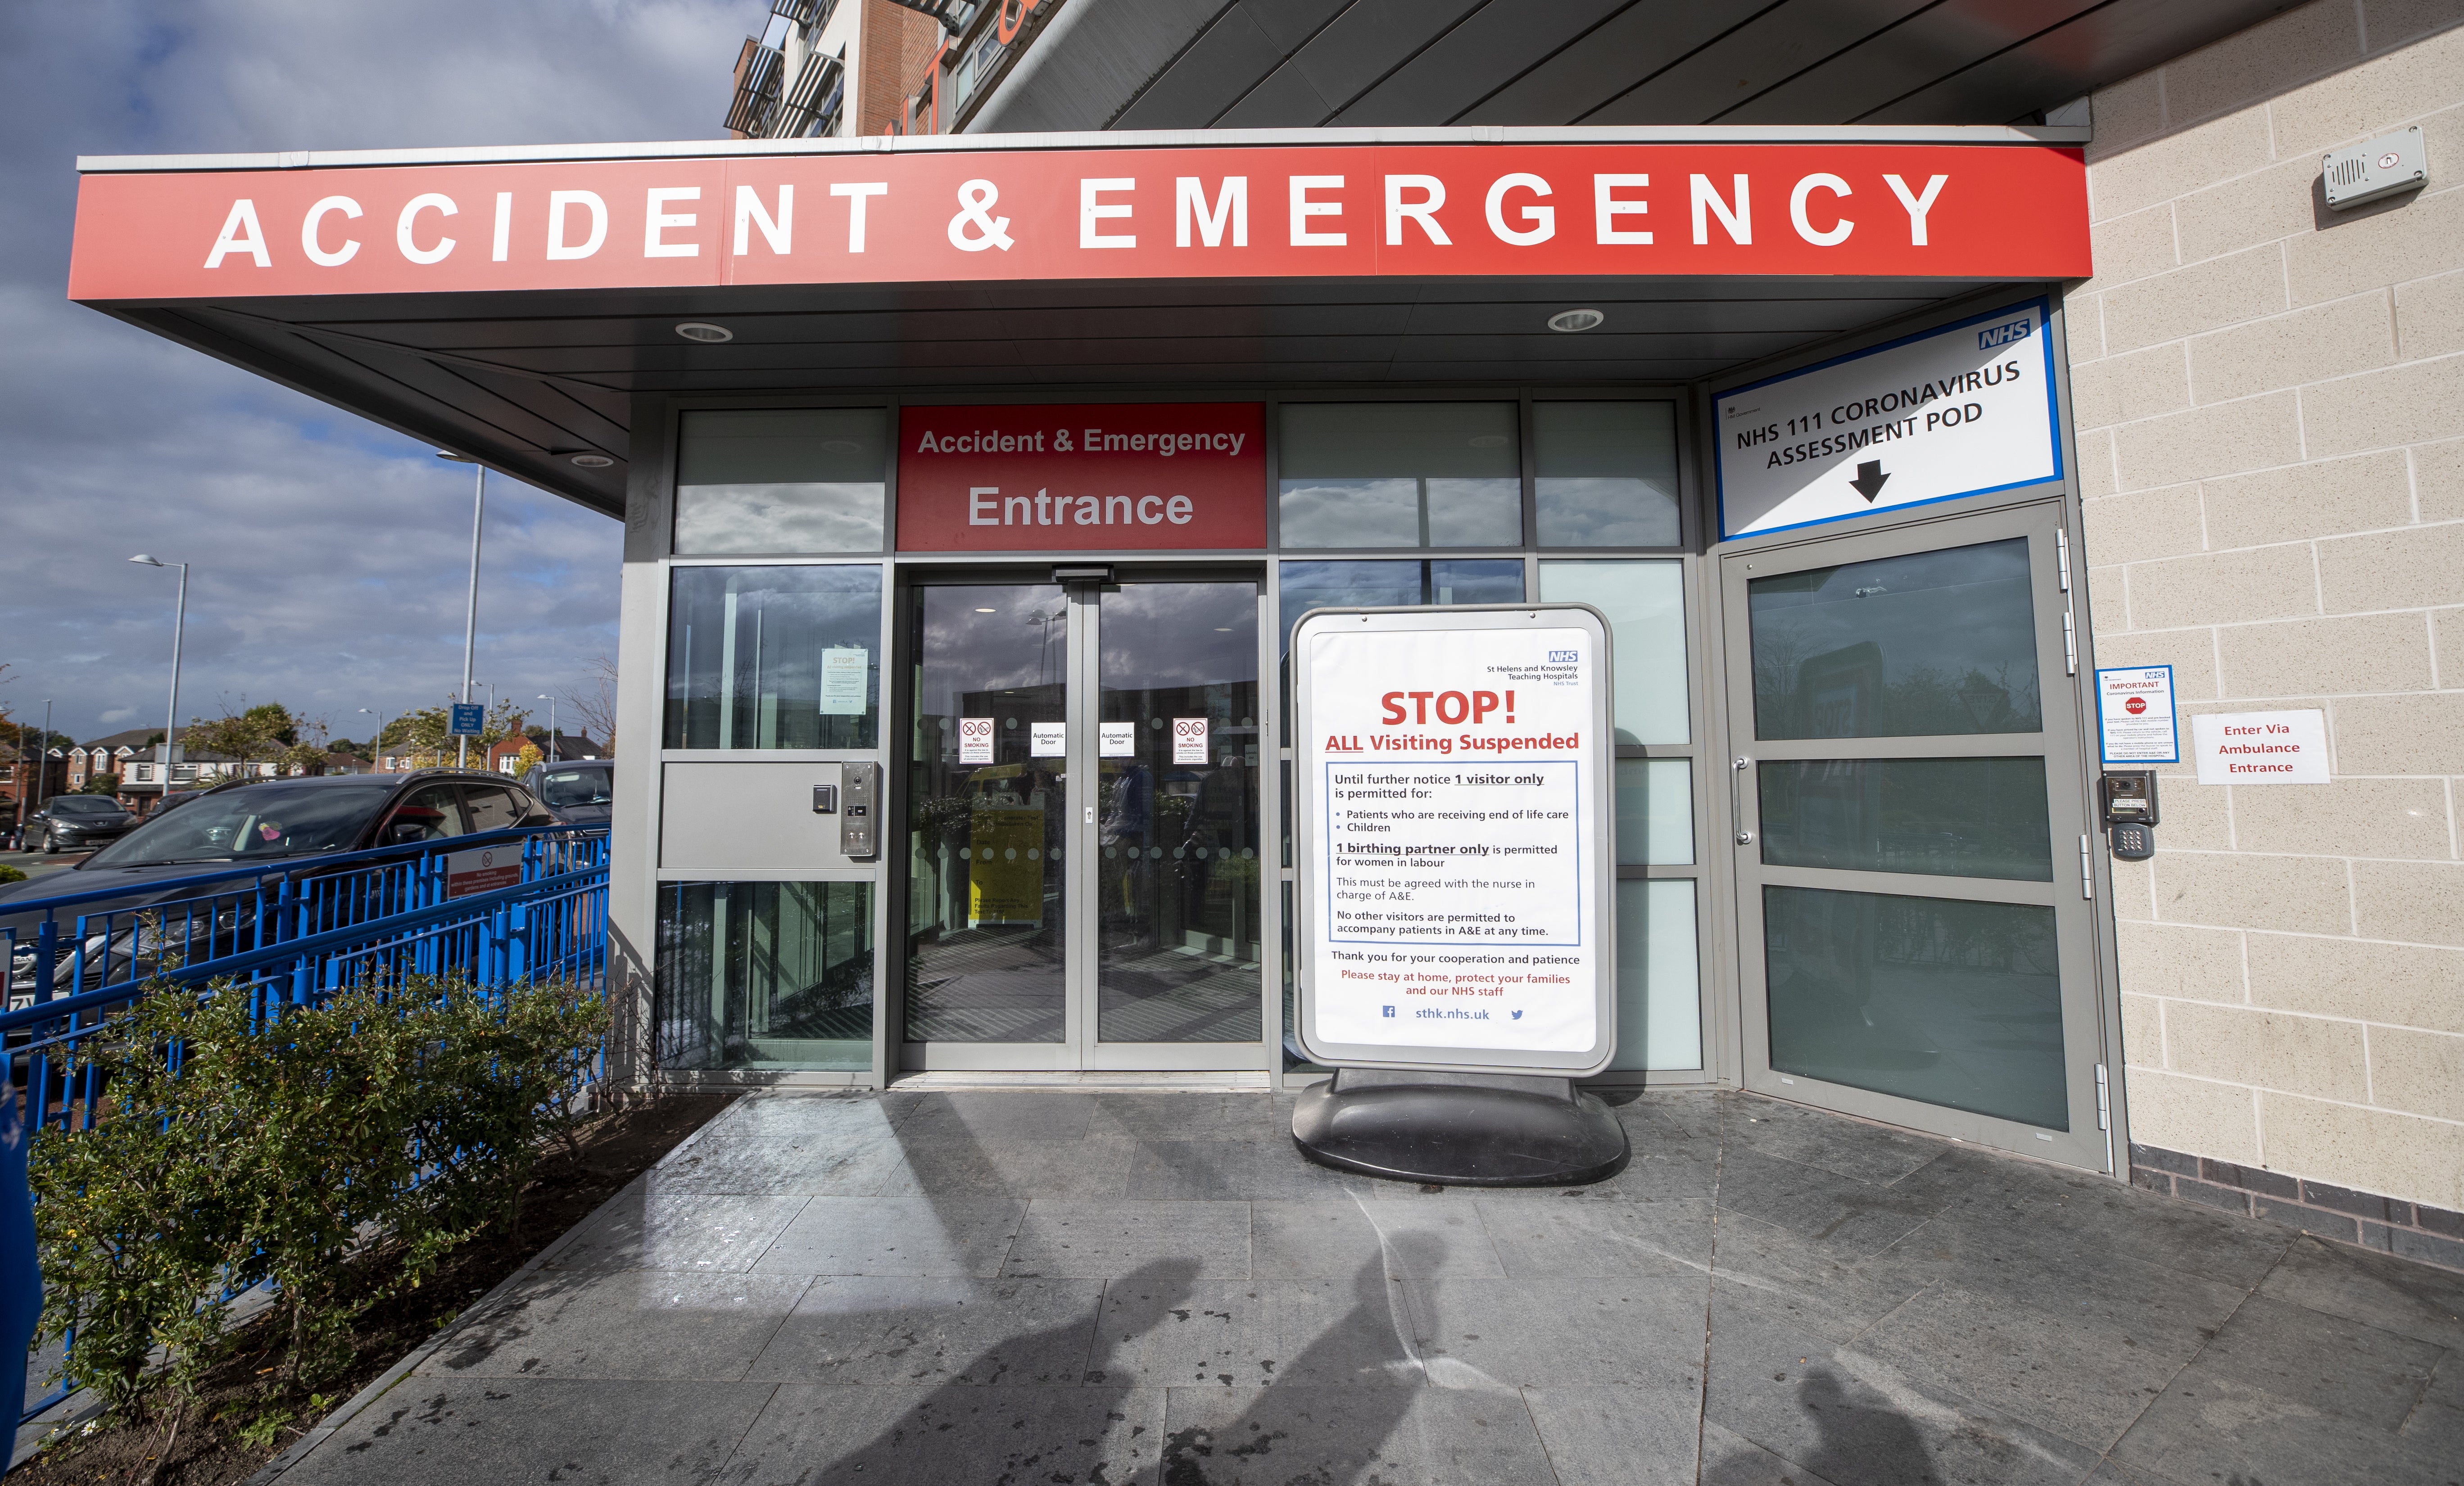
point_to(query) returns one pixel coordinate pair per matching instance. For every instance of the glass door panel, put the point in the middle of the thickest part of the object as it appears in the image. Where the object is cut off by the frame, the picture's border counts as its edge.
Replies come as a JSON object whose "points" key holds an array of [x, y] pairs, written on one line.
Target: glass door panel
{"points": [[1083, 839], [1177, 958], [987, 806], [1915, 945]]}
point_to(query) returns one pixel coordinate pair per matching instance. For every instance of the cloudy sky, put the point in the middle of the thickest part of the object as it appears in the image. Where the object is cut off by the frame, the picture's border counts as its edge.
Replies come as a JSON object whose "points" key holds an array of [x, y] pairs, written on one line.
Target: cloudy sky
{"points": [[328, 555]]}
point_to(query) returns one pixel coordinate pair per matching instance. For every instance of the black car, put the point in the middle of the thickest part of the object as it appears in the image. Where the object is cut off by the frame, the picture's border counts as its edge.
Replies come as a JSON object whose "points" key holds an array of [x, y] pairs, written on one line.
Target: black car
{"points": [[69, 821], [576, 793]]}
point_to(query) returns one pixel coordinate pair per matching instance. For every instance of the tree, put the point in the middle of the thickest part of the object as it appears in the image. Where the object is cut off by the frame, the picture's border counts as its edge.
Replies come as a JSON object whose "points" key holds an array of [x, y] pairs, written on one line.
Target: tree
{"points": [[529, 758], [596, 707], [266, 733], [102, 784], [429, 731]]}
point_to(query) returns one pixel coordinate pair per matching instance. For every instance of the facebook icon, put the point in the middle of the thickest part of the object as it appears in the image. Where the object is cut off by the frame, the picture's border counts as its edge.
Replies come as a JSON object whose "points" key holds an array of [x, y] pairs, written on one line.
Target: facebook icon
{"points": [[1386, 1011]]}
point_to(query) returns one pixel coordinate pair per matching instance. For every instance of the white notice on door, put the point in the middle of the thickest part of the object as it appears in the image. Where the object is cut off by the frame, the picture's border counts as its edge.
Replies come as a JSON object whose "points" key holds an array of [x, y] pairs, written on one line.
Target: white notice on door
{"points": [[844, 670], [2134, 713], [1048, 739], [1116, 739], [975, 740], [2262, 748], [1189, 740]]}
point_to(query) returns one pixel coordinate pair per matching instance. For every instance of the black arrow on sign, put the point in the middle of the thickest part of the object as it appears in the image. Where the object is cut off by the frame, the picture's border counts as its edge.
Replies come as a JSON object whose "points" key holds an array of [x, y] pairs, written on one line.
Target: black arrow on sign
{"points": [[1869, 479]]}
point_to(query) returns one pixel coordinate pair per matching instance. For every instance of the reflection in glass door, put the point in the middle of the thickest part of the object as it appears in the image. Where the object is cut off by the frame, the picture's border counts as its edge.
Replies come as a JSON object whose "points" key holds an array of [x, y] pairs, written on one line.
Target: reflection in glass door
{"points": [[987, 798], [1083, 808], [1177, 952], [1913, 923]]}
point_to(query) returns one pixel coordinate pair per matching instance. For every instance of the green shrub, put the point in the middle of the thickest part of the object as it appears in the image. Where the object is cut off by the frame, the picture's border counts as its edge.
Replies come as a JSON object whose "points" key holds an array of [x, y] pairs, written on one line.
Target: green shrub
{"points": [[338, 1152], [10, 874]]}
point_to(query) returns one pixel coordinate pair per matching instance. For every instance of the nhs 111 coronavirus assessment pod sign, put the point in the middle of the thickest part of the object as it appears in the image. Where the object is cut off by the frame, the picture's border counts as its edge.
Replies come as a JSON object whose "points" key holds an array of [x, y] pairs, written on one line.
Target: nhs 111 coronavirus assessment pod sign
{"points": [[1452, 822]]}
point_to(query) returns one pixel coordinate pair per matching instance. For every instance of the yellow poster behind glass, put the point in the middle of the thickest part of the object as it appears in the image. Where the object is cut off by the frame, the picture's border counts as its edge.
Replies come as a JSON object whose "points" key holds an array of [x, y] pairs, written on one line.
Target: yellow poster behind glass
{"points": [[1005, 865]]}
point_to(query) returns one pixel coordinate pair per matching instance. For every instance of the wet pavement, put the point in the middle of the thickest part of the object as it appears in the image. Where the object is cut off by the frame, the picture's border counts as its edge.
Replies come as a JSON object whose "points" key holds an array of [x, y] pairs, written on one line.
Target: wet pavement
{"points": [[1047, 1287]]}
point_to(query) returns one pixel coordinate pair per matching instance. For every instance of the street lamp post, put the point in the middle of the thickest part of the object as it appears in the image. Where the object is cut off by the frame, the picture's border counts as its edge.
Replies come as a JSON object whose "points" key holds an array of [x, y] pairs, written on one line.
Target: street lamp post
{"points": [[550, 700], [42, 770], [376, 744], [179, 627], [471, 611]]}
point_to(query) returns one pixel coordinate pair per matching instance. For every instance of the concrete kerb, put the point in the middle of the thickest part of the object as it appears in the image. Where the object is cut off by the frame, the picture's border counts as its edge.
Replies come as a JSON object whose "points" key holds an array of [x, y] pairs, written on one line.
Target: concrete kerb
{"points": [[324, 1428]]}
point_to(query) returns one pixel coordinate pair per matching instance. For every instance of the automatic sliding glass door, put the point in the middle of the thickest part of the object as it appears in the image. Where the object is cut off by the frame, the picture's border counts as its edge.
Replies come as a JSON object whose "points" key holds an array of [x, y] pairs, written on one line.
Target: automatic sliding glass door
{"points": [[1082, 834]]}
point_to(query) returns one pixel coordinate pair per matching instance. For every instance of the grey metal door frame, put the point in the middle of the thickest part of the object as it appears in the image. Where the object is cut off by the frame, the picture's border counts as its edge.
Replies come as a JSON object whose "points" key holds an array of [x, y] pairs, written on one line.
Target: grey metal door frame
{"points": [[2069, 894], [1081, 1047]]}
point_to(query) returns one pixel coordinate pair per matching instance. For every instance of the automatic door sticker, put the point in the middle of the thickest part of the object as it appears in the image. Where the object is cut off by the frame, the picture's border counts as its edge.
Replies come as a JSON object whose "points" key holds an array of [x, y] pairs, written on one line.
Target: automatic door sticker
{"points": [[975, 740], [1048, 739], [1189, 740], [1117, 739]]}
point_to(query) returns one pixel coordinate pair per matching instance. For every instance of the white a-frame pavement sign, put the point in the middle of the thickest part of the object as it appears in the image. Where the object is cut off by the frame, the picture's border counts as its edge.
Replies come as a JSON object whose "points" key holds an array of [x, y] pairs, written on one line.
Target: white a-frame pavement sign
{"points": [[1451, 822]]}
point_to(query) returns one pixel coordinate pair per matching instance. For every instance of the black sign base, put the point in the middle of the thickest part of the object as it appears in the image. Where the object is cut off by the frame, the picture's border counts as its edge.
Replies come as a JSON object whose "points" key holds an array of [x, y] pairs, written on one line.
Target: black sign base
{"points": [[1460, 1129]]}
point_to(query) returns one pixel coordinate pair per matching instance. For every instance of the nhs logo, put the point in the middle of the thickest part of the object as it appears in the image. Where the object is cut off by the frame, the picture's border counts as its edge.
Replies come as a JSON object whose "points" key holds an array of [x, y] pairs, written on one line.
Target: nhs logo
{"points": [[2002, 335], [1564, 657]]}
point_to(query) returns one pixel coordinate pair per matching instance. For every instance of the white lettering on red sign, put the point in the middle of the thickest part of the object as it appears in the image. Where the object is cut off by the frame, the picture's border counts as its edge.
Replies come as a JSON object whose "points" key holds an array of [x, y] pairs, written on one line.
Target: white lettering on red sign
{"points": [[1126, 475]]}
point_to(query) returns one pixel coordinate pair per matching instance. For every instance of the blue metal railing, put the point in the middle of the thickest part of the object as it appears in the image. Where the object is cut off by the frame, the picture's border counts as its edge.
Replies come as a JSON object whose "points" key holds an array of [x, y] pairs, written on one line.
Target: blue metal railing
{"points": [[499, 907]]}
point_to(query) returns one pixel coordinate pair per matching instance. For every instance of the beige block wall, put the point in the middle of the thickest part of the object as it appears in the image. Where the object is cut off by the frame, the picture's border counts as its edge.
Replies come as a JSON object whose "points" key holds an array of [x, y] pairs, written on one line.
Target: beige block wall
{"points": [[2270, 405]]}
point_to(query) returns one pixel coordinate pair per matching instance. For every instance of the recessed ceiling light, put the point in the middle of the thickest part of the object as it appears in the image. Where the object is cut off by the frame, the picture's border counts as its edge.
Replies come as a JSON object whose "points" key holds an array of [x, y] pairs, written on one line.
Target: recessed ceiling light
{"points": [[592, 461], [705, 332], [983, 611], [1571, 320]]}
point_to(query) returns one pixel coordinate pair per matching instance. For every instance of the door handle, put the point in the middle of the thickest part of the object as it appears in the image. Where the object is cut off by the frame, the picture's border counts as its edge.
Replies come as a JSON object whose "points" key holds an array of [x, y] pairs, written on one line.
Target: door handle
{"points": [[1737, 773]]}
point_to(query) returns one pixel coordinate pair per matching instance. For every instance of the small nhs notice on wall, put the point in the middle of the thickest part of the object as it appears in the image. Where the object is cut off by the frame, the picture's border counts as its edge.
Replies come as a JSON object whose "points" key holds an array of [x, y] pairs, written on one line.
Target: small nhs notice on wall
{"points": [[1452, 820], [1962, 410]]}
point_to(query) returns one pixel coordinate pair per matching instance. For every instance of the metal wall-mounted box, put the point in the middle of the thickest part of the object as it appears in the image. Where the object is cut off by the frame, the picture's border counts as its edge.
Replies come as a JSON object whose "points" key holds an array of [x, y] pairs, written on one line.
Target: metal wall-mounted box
{"points": [[2392, 163], [860, 827]]}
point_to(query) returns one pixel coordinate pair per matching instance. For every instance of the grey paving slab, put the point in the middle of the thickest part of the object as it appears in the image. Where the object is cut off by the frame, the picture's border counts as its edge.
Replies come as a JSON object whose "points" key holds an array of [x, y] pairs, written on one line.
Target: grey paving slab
{"points": [[1246, 1116], [910, 1331], [537, 1430], [815, 1435], [1098, 1240], [1731, 1459], [1854, 1420], [1810, 1283], [1637, 1436], [999, 1114], [632, 1323], [1337, 1238], [2101, 1213], [1568, 1237], [1237, 1171], [1352, 1436], [1847, 1148], [644, 1228], [752, 1162], [2066, 1371], [1545, 1333], [2377, 1289], [897, 1235], [2207, 1430], [1257, 1333], [2053, 1267], [2321, 1363], [1091, 1167], [1852, 1217]]}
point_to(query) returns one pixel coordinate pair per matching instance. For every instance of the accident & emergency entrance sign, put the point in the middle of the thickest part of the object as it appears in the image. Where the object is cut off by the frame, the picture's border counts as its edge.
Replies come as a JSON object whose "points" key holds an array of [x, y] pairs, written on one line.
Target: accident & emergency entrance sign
{"points": [[1454, 857]]}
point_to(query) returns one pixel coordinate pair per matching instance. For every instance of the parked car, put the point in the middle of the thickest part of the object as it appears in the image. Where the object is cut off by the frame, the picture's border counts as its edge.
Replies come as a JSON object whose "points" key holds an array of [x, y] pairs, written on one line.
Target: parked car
{"points": [[68, 821], [577, 793], [277, 822], [173, 800]]}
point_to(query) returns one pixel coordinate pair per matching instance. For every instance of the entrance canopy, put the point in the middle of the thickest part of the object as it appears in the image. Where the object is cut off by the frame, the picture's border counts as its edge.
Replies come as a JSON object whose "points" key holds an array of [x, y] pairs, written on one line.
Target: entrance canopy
{"points": [[510, 303]]}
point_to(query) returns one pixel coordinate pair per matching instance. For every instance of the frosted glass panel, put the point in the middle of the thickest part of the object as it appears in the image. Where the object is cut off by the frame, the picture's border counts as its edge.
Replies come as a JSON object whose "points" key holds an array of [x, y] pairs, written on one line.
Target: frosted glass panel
{"points": [[1659, 988], [1646, 604], [1607, 473], [1655, 812], [1401, 475]]}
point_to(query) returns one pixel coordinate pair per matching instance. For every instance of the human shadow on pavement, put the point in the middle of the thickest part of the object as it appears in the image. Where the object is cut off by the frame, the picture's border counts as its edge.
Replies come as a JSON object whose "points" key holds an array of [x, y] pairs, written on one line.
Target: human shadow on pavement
{"points": [[1308, 1427], [1858, 1444]]}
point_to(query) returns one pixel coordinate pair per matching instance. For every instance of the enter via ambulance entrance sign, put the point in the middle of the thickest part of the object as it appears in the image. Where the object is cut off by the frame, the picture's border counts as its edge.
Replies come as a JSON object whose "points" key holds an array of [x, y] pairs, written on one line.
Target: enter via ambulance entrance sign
{"points": [[1454, 858], [1963, 410]]}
